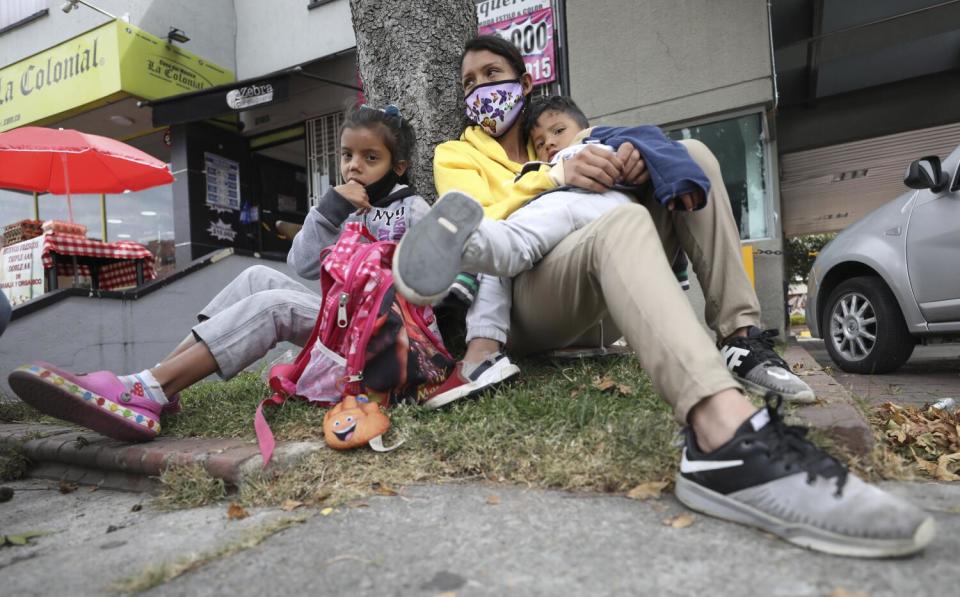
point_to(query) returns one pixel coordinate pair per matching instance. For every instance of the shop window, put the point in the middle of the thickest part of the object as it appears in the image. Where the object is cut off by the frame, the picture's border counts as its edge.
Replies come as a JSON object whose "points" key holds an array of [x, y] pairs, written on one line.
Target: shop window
{"points": [[145, 217], [14, 207], [323, 154], [14, 13], [739, 146]]}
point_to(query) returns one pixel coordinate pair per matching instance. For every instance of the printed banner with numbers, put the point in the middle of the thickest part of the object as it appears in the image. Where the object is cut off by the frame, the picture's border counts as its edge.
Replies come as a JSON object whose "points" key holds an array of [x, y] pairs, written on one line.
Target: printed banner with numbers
{"points": [[532, 33]]}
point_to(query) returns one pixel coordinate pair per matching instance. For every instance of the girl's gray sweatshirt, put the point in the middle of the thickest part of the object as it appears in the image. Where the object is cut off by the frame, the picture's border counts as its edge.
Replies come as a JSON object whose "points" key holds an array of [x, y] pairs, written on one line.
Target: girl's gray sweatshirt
{"points": [[400, 210]]}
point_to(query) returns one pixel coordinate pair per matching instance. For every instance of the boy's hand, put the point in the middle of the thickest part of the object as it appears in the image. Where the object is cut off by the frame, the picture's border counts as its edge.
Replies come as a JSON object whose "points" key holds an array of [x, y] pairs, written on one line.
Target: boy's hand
{"points": [[634, 168], [356, 194], [686, 202], [593, 169]]}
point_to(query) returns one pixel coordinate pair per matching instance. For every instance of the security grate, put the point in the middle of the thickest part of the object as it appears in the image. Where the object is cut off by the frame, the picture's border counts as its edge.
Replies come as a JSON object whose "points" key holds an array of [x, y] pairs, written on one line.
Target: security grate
{"points": [[323, 154]]}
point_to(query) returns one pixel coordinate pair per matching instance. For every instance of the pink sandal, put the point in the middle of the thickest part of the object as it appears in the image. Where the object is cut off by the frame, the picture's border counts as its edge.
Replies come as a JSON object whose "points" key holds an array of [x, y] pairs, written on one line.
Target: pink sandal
{"points": [[97, 401]]}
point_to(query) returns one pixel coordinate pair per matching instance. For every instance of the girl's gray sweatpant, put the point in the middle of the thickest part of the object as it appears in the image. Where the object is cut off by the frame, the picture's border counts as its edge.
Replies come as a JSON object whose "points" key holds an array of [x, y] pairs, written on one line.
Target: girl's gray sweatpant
{"points": [[254, 312]]}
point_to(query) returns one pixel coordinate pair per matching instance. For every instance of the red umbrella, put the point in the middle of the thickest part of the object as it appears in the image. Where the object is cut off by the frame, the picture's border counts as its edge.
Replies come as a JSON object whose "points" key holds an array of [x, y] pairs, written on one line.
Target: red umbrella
{"points": [[64, 161]]}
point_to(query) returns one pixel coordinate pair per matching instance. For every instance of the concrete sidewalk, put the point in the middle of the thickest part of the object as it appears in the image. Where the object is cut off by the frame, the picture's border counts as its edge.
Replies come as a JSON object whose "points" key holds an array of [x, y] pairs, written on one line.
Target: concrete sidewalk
{"points": [[464, 540]]}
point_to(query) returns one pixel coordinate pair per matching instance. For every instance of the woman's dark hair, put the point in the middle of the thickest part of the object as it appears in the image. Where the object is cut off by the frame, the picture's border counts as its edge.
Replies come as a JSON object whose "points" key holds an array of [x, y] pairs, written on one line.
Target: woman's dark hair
{"points": [[557, 103], [500, 47], [394, 130]]}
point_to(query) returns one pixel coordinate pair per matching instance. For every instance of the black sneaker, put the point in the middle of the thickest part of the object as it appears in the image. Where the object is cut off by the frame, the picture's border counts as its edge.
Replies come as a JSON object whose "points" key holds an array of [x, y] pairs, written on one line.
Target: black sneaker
{"points": [[769, 476], [427, 260], [760, 369]]}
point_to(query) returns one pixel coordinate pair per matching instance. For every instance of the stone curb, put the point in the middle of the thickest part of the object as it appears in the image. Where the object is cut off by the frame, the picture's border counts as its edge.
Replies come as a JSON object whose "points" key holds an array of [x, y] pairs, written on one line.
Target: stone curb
{"points": [[835, 411], [72, 454]]}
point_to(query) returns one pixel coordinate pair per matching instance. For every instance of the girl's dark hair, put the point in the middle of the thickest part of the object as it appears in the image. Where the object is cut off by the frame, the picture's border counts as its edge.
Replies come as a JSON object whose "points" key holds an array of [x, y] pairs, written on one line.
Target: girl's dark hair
{"points": [[500, 47], [393, 128]]}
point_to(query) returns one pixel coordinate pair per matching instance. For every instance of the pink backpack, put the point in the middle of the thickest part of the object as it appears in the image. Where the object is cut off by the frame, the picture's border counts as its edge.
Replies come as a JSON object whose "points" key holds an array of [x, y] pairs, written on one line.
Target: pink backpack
{"points": [[367, 339]]}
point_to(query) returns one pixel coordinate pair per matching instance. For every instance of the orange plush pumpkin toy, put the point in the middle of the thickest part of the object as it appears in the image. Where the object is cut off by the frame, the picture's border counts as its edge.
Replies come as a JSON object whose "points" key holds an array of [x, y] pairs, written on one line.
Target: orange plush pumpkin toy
{"points": [[354, 422]]}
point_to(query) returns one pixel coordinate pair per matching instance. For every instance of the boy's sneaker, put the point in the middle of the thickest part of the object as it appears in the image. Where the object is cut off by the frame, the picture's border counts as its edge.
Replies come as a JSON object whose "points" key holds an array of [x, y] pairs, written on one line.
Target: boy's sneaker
{"points": [[495, 369], [427, 260], [769, 476], [757, 366], [97, 401]]}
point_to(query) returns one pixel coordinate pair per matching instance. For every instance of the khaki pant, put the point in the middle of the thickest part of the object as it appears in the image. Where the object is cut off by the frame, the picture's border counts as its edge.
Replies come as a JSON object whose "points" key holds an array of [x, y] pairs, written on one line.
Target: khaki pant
{"points": [[612, 276]]}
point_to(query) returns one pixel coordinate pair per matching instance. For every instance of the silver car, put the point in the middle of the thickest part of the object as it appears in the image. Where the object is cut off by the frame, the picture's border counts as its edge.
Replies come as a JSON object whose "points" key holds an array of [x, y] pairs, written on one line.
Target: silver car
{"points": [[892, 280]]}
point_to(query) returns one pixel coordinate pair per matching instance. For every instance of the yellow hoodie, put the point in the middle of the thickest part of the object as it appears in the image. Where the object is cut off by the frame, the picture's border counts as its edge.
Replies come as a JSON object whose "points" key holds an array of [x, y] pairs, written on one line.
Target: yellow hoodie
{"points": [[478, 166]]}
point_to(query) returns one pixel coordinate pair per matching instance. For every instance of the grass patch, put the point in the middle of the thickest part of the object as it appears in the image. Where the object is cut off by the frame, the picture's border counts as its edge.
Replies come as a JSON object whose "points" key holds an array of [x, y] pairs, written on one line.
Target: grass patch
{"points": [[16, 411], [188, 486], [13, 463], [798, 319], [167, 571], [555, 428]]}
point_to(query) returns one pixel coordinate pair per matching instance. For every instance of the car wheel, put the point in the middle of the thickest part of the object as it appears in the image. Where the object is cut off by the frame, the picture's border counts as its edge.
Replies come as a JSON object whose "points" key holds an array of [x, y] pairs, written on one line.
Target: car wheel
{"points": [[863, 327]]}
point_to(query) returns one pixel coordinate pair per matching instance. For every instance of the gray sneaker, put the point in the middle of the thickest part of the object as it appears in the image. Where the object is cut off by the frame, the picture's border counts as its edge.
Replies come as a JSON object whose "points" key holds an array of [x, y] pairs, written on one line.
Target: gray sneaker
{"points": [[769, 476], [760, 369], [427, 260]]}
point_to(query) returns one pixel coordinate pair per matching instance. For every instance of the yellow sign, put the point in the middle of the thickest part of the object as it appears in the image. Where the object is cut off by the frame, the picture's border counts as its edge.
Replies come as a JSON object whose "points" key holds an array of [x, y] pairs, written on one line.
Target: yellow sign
{"points": [[746, 251], [115, 58]]}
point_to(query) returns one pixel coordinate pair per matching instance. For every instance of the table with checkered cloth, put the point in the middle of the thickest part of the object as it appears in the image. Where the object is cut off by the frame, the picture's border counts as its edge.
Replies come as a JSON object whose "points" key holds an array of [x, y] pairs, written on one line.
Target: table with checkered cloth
{"points": [[118, 274]]}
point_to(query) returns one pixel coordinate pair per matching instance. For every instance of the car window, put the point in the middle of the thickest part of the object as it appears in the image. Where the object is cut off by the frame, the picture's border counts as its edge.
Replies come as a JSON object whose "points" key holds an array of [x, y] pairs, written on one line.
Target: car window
{"points": [[956, 179]]}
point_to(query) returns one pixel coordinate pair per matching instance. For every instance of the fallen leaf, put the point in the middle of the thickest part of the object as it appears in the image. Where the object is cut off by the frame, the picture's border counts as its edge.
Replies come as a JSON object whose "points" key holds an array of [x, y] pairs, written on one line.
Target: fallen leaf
{"points": [[384, 489], [648, 490], [604, 383], [136, 508], [841, 592], [321, 495], [447, 594], [236, 512], [943, 473], [21, 539], [493, 500], [67, 487], [290, 505], [626, 390], [680, 521], [326, 511]]}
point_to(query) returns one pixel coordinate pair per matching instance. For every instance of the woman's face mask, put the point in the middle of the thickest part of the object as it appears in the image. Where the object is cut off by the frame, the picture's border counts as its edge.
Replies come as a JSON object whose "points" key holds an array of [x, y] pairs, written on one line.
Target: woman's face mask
{"points": [[495, 106]]}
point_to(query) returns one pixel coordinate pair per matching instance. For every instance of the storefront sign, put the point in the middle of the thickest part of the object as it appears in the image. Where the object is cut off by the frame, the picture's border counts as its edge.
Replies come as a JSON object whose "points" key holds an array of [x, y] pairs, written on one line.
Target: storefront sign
{"points": [[223, 181], [249, 96], [532, 33], [113, 59], [496, 11], [21, 270]]}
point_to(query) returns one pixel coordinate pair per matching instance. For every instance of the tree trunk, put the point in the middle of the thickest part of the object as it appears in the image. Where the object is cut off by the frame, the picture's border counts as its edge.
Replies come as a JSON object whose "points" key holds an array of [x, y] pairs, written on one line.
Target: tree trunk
{"points": [[409, 55]]}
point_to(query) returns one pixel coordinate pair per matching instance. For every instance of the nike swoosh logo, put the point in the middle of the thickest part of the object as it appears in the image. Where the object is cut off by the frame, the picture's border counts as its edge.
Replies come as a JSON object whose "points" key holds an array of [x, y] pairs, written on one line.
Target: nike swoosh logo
{"points": [[698, 466], [779, 374]]}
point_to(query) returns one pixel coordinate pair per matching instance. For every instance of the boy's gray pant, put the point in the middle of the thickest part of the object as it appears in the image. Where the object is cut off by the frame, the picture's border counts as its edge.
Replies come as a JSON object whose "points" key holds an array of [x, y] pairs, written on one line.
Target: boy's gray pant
{"points": [[254, 312]]}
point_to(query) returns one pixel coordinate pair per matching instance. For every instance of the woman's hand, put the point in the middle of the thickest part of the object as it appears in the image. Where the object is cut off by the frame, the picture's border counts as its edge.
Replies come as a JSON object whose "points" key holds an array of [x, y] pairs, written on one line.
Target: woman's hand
{"points": [[593, 169], [356, 194], [634, 168]]}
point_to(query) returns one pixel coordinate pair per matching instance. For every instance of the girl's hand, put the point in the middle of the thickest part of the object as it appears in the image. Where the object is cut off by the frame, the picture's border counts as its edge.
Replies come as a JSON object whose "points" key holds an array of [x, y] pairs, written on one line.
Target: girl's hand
{"points": [[593, 169], [356, 194]]}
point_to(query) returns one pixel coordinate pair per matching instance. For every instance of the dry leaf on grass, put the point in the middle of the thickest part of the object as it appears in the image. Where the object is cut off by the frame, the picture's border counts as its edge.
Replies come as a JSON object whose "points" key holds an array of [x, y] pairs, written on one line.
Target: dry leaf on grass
{"points": [[680, 521], [930, 436], [493, 500], [608, 384], [648, 490], [236, 512], [290, 505], [841, 592], [383, 489]]}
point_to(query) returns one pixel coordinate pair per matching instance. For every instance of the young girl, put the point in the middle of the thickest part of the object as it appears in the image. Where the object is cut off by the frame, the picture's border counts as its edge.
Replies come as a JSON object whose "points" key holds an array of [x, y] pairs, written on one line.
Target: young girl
{"points": [[260, 307]]}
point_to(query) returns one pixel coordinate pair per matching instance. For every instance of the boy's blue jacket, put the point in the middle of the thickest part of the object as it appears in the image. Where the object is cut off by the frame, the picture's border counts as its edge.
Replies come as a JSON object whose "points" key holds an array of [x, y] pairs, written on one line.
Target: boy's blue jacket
{"points": [[672, 171]]}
